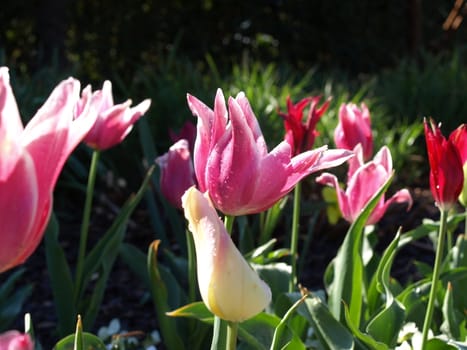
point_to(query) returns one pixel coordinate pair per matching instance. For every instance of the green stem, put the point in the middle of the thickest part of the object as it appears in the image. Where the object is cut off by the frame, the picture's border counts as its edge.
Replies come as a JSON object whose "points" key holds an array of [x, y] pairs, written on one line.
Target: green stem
{"points": [[232, 330], [294, 237], [191, 267], [228, 223], [465, 223], [434, 282], [85, 223], [218, 330]]}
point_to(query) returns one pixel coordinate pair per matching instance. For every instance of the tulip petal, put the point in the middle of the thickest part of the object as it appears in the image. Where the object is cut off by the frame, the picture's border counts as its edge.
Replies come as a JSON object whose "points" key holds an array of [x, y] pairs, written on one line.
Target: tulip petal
{"points": [[18, 208], [342, 198], [9, 116], [210, 127], [228, 285], [46, 135]]}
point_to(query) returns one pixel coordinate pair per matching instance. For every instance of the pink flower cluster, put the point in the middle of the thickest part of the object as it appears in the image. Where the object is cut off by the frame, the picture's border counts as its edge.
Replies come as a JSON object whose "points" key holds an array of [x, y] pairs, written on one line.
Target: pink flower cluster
{"points": [[32, 156]]}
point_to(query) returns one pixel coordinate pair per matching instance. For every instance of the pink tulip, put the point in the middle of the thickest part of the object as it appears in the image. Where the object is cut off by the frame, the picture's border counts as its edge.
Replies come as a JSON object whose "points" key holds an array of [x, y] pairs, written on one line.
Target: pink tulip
{"points": [[114, 122], [14, 340], [31, 159], [362, 185], [177, 173], [232, 161], [354, 128]]}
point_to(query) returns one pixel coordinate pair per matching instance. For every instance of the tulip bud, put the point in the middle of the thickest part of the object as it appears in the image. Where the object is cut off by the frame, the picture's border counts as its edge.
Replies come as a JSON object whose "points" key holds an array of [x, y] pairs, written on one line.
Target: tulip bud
{"points": [[229, 287], [354, 128], [446, 174], [177, 173]]}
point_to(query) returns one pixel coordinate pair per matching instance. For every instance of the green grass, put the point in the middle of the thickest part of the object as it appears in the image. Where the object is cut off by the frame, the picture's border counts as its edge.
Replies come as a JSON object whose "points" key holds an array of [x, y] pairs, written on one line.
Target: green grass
{"points": [[398, 99]]}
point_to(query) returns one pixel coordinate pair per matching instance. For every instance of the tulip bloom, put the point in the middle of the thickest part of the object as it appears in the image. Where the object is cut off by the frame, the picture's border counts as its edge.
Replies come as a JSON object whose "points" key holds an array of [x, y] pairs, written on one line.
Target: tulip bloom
{"points": [[114, 122], [301, 135], [354, 128], [14, 340], [362, 185], [459, 138], [177, 173], [446, 173], [31, 159], [232, 162], [229, 287]]}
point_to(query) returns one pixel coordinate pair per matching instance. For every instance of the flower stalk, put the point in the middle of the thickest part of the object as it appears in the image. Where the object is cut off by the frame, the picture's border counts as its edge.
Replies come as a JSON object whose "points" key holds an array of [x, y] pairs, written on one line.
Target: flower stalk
{"points": [[294, 236], [85, 222], [232, 330], [435, 278]]}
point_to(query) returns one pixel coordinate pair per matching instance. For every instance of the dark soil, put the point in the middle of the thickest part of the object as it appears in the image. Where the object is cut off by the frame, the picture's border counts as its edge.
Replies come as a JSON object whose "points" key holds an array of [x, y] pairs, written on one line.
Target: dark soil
{"points": [[126, 296]]}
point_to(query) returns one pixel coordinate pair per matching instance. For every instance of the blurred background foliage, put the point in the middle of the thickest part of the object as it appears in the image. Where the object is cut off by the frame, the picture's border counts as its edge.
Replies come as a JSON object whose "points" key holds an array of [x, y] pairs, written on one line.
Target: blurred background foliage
{"points": [[104, 36], [393, 55]]}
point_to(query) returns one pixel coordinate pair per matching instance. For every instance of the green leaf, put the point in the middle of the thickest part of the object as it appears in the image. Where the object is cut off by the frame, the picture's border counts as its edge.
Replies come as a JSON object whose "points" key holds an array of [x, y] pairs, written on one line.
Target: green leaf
{"points": [[276, 276], [347, 284], [330, 331], [136, 260], [438, 344], [459, 259], [12, 298], [258, 331], [89, 342], [259, 252], [366, 339], [160, 298], [452, 321], [101, 258], [271, 219], [60, 279], [112, 239], [280, 328], [79, 345], [385, 326], [196, 310]]}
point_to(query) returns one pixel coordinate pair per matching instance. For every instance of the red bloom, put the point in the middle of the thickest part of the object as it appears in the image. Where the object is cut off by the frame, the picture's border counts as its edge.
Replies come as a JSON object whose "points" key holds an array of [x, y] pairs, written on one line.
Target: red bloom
{"points": [[459, 138], [446, 174], [301, 135]]}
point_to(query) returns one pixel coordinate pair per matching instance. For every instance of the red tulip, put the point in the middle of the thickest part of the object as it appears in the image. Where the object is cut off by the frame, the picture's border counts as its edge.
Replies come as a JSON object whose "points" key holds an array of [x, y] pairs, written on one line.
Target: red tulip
{"points": [[301, 134], [446, 174], [114, 122], [233, 164], [31, 159], [459, 137]]}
